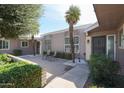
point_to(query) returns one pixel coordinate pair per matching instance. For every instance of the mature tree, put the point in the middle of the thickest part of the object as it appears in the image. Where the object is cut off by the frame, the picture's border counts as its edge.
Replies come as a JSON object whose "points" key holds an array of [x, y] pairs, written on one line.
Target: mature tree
{"points": [[72, 17], [16, 20], [19, 20]]}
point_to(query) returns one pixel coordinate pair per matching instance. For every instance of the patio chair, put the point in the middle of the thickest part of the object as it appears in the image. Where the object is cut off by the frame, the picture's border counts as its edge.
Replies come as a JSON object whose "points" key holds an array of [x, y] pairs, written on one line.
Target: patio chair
{"points": [[48, 54], [44, 54], [53, 56]]}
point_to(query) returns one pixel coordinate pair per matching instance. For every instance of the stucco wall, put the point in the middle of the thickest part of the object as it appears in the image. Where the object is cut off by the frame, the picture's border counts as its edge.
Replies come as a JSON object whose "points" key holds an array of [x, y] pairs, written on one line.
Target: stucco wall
{"points": [[27, 50], [58, 41], [119, 51], [88, 47], [13, 45], [82, 45], [97, 32], [16, 44]]}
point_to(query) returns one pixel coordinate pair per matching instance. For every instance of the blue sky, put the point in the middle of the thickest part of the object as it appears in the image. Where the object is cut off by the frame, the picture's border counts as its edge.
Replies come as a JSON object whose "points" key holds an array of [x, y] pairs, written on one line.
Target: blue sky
{"points": [[53, 18]]}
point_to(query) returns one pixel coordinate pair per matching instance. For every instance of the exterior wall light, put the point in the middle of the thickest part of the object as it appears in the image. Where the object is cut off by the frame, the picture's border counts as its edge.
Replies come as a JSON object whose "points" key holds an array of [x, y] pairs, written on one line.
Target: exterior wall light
{"points": [[88, 41]]}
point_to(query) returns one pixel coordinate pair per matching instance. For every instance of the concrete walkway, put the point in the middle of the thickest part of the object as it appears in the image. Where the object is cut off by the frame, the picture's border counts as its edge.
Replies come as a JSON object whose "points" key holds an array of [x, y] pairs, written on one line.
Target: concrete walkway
{"points": [[75, 78], [57, 77], [53, 69]]}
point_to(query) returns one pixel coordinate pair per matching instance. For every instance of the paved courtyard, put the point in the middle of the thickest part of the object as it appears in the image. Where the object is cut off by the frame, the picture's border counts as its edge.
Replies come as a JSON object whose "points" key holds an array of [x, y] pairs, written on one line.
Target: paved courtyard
{"points": [[57, 76], [74, 78], [53, 68]]}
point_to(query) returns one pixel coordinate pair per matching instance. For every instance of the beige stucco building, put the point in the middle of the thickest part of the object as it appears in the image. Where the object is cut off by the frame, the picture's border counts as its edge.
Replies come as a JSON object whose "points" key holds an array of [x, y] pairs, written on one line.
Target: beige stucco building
{"points": [[58, 41], [107, 37]]}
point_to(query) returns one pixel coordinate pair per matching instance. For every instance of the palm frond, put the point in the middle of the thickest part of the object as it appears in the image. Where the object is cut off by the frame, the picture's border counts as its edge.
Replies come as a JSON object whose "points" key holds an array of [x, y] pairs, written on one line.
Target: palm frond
{"points": [[73, 14]]}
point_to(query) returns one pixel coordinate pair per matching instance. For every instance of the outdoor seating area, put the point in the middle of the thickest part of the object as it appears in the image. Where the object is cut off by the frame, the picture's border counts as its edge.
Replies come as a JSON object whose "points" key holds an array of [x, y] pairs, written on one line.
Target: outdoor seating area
{"points": [[53, 56], [49, 55]]}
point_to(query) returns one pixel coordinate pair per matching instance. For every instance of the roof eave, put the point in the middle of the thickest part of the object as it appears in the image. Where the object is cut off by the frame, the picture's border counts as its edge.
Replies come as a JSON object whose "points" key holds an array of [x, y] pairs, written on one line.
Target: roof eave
{"points": [[95, 25]]}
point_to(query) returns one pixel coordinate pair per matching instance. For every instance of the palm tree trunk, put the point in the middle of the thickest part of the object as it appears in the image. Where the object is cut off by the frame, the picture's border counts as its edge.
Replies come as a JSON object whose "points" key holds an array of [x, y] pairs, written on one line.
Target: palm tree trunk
{"points": [[72, 42], [33, 45]]}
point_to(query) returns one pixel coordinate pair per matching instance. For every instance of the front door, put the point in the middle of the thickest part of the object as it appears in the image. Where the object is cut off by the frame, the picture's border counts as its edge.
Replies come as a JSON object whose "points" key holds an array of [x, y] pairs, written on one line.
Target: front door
{"points": [[99, 45], [111, 46]]}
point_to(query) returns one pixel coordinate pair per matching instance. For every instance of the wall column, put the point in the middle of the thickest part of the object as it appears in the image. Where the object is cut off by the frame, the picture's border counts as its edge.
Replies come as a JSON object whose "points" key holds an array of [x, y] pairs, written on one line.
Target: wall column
{"points": [[88, 47], [41, 47]]}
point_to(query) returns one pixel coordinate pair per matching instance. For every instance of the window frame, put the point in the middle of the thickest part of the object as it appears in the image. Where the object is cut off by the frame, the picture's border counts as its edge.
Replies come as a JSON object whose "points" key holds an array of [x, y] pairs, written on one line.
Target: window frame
{"points": [[25, 46], [122, 42], [74, 44], [8, 44], [48, 44]]}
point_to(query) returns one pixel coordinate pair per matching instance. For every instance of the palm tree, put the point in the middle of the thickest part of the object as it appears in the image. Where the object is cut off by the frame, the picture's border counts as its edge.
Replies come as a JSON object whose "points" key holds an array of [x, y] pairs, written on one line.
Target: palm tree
{"points": [[72, 17]]}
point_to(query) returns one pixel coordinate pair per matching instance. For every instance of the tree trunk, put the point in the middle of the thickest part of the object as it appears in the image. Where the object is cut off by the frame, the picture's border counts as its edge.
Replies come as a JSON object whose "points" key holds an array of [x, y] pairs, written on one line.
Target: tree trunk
{"points": [[71, 42], [33, 45]]}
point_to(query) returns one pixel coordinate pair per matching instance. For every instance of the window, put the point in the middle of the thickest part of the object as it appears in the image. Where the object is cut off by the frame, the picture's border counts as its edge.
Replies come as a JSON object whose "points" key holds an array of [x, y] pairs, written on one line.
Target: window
{"points": [[4, 44], [76, 44], [121, 39], [76, 48], [67, 41], [67, 48], [24, 44], [76, 40], [47, 44]]}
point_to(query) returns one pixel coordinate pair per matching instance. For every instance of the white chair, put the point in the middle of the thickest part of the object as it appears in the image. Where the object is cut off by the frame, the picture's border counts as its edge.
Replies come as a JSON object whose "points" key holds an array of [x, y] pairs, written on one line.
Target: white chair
{"points": [[54, 56], [48, 54]]}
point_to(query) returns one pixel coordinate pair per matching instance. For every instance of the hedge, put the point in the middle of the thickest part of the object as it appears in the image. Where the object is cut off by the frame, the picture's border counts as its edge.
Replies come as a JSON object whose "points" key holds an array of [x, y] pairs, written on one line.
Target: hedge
{"points": [[103, 71], [64, 55], [20, 75], [44, 53], [17, 52], [5, 59]]}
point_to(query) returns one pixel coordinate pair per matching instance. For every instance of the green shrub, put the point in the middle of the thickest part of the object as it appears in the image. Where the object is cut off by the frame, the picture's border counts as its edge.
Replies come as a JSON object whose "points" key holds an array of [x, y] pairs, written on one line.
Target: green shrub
{"points": [[120, 81], [17, 52], [51, 53], [64, 55], [103, 71], [68, 56], [20, 75], [44, 53], [58, 55], [4, 59]]}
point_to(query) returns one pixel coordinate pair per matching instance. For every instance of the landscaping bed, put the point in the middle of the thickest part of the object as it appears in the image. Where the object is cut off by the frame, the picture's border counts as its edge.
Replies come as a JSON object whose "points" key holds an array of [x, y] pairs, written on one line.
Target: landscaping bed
{"points": [[19, 74], [104, 73], [62, 55], [120, 83]]}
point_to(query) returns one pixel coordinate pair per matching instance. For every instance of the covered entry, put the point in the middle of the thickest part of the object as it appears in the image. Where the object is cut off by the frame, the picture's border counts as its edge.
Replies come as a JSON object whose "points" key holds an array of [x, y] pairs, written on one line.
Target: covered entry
{"points": [[104, 45], [99, 45]]}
